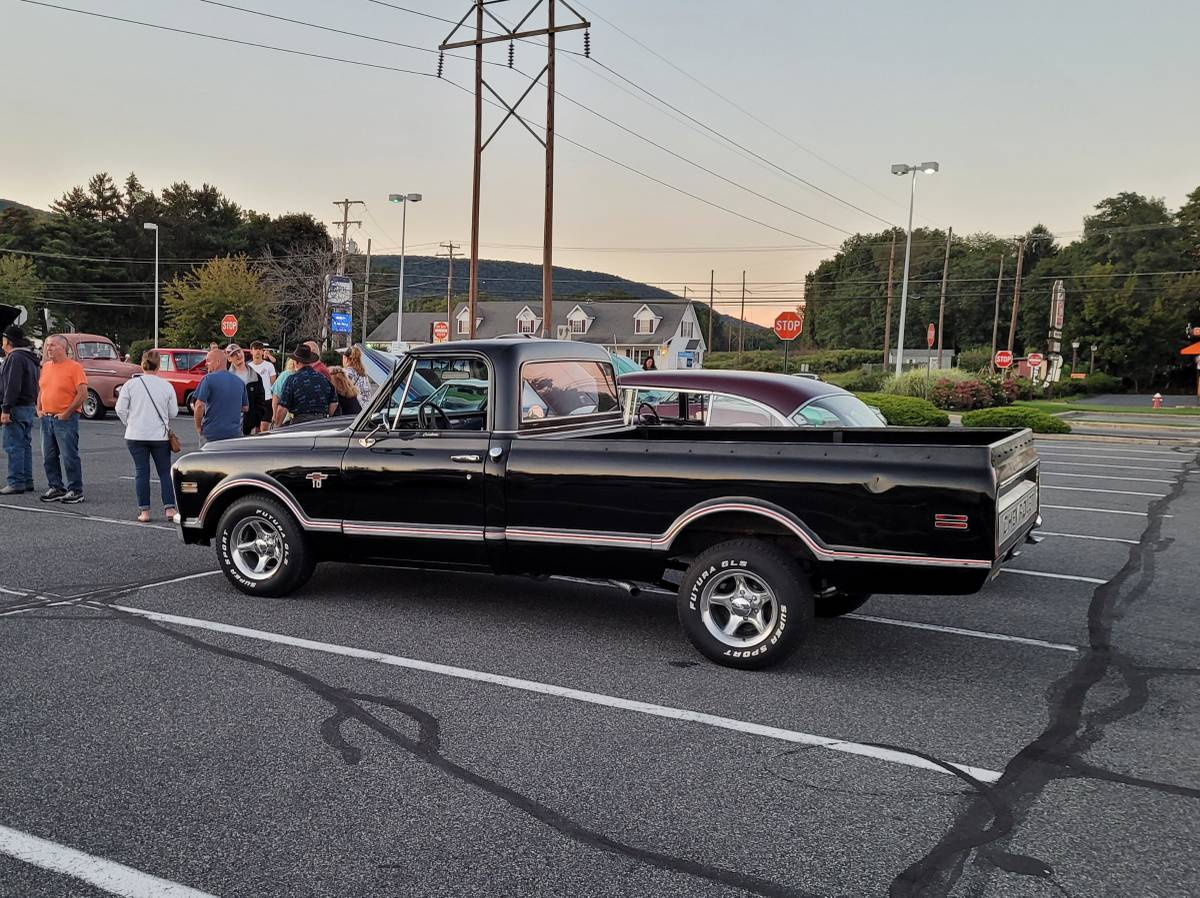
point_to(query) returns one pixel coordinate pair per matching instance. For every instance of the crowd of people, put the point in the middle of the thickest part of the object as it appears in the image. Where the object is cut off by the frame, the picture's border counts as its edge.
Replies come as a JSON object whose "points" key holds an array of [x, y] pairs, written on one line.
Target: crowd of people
{"points": [[239, 396]]}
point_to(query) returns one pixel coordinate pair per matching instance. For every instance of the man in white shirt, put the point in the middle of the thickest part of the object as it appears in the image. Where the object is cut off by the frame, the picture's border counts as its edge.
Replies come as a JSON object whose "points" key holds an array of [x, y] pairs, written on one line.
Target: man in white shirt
{"points": [[266, 370]]}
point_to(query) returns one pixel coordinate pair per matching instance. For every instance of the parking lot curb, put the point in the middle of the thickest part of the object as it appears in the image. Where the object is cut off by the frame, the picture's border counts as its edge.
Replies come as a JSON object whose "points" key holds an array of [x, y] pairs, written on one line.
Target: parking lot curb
{"points": [[1120, 438]]}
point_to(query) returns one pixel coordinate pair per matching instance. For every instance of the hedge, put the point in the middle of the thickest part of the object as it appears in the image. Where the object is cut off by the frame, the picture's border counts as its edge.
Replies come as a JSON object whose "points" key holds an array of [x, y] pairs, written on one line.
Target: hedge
{"points": [[1037, 421], [819, 362], [906, 411]]}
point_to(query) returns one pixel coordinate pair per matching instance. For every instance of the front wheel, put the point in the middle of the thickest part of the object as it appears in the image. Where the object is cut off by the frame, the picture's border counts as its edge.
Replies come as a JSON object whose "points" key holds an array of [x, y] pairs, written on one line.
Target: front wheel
{"points": [[745, 604], [93, 409], [840, 603], [261, 548]]}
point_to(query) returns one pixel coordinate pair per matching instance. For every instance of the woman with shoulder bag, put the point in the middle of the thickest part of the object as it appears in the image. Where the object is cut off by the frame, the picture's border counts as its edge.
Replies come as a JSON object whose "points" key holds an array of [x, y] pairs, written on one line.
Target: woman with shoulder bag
{"points": [[145, 406]]}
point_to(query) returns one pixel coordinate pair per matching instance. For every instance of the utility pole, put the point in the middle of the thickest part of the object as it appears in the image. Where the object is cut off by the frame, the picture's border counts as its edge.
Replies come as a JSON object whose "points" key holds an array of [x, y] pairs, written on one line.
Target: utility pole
{"points": [[742, 329], [712, 274], [450, 246], [887, 317], [942, 301], [505, 33], [344, 224], [996, 316], [366, 291], [1012, 327]]}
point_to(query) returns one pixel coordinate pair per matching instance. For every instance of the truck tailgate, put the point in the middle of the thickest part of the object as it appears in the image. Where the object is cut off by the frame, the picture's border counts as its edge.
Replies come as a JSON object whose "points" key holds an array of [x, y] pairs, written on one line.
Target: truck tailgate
{"points": [[1015, 468]]}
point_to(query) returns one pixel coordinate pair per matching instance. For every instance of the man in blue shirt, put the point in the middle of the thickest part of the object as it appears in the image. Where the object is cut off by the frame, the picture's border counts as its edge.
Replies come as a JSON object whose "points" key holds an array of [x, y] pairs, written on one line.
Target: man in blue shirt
{"points": [[307, 394], [220, 401]]}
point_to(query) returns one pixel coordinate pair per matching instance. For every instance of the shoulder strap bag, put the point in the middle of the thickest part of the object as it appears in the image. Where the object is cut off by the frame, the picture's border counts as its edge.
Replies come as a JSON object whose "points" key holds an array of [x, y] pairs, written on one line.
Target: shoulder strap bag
{"points": [[172, 437]]}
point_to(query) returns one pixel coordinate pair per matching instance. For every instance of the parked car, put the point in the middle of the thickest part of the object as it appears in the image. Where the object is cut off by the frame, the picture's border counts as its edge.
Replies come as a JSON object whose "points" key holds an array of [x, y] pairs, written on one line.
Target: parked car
{"points": [[741, 399], [106, 372], [756, 528], [183, 369]]}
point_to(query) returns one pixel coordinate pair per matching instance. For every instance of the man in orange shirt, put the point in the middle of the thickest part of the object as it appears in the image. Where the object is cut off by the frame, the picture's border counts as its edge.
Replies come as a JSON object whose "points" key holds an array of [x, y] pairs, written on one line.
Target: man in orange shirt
{"points": [[62, 389]]}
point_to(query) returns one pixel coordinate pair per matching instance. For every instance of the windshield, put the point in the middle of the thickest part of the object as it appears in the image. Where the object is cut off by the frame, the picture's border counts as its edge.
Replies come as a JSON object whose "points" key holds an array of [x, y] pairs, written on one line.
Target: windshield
{"points": [[836, 411]]}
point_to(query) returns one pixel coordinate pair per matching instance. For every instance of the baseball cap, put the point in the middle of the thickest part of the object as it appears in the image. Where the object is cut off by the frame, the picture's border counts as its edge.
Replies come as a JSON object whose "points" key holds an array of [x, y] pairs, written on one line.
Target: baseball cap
{"points": [[232, 348]]}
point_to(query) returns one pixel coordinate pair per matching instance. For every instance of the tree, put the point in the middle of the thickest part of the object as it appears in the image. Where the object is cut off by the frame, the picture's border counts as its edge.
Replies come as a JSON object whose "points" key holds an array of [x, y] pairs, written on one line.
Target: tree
{"points": [[19, 283], [197, 301]]}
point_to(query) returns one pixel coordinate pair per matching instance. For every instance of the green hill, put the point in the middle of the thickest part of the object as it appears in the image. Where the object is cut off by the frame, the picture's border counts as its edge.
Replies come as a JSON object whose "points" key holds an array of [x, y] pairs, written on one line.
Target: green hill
{"points": [[13, 204]]}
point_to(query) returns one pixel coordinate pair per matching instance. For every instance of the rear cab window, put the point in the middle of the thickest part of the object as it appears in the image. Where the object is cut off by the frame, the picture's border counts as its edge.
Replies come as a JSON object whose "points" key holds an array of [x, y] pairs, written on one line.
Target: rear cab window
{"points": [[553, 391]]}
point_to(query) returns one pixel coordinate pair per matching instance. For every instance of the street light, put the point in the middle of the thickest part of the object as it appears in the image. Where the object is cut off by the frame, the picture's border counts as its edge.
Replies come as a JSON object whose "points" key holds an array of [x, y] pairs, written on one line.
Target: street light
{"points": [[405, 199], [927, 168], [150, 226], [1092, 369], [1074, 352]]}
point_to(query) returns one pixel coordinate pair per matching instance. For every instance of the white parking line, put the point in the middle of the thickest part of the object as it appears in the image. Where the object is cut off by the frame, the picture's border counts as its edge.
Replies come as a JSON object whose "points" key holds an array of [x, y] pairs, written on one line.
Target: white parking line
{"points": [[579, 695], [1103, 539], [1137, 514], [1080, 464], [1083, 489], [958, 631], [13, 592], [1014, 570], [1109, 477], [89, 517], [1108, 448], [1094, 456], [104, 874]]}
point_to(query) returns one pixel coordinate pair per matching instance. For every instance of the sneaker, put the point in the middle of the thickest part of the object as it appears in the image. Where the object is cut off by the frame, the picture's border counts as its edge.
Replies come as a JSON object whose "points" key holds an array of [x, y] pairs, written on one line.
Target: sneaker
{"points": [[53, 494], [11, 491], [70, 497], [29, 487]]}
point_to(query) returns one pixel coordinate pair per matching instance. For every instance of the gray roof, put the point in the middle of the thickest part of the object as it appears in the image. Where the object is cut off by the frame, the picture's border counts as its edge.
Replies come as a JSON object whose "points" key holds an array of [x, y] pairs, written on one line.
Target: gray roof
{"points": [[612, 321]]}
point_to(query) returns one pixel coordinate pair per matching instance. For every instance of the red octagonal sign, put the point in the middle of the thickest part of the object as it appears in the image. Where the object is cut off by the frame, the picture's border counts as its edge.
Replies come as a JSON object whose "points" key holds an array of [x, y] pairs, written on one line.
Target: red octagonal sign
{"points": [[788, 325], [229, 325], [1034, 359], [1004, 359]]}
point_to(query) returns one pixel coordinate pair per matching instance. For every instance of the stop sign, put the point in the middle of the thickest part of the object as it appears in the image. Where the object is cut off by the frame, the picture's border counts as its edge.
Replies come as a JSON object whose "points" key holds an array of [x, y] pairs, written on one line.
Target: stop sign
{"points": [[1034, 359], [930, 335], [788, 325], [1003, 358], [441, 331], [229, 325]]}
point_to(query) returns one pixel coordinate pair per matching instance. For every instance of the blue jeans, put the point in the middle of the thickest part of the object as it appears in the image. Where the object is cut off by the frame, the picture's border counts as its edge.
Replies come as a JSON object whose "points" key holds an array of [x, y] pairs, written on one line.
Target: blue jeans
{"points": [[18, 446], [60, 439], [142, 451]]}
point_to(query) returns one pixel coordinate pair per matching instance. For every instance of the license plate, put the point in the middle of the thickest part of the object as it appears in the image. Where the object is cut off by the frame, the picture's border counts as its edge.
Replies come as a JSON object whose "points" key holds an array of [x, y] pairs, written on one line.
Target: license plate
{"points": [[1017, 511]]}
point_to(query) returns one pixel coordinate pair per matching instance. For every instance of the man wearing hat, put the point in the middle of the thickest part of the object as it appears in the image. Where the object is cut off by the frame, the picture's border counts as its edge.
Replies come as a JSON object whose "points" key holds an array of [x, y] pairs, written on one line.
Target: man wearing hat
{"points": [[307, 394], [18, 409], [256, 389]]}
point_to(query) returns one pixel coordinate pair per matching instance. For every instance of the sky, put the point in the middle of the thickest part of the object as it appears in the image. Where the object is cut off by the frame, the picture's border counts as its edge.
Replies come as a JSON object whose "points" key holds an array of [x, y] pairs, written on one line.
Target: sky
{"points": [[1034, 110]]}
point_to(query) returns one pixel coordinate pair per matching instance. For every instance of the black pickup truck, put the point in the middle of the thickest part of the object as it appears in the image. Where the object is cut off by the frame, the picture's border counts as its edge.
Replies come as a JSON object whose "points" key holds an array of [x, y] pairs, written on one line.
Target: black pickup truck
{"points": [[512, 456]]}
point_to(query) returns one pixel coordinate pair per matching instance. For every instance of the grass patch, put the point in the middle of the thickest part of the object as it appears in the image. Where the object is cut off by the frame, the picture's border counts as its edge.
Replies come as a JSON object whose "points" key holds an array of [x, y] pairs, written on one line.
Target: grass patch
{"points": [[1053, 408]]}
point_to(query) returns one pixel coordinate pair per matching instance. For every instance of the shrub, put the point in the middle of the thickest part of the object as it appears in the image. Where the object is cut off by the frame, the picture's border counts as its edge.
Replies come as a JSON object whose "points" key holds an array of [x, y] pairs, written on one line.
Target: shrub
{"points": [[860, 381], [917, 381], [1103, 383], [1037, 421], [137, 347], [820, 362], [906, 411], [977, 358], [960, 394]]}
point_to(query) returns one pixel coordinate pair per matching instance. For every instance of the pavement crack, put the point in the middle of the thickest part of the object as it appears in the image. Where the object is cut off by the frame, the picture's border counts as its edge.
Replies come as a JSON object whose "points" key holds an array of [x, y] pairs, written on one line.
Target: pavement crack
{"points": [[426, 747], [1057, 752], [1083, 770]]}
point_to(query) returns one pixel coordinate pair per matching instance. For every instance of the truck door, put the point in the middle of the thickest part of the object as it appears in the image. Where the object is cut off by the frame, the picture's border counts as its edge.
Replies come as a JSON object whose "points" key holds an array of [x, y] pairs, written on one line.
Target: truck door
{"points": [[413, 474]]}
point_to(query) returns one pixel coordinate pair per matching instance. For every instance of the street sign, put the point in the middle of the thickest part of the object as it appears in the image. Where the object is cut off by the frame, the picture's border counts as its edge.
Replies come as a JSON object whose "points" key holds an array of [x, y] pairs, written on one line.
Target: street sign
{"points": [[788, 325], [441, 331], [1054, 346], [931, 335], [1034, 359], [1004, 359], [1058, 304], [339, 322], [1078, 375], [229, 325], [339, 292]]}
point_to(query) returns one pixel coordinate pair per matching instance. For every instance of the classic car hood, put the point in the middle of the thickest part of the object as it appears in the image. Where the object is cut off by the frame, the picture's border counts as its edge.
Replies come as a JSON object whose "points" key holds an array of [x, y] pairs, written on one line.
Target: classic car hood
{"points": [[296, 436]]}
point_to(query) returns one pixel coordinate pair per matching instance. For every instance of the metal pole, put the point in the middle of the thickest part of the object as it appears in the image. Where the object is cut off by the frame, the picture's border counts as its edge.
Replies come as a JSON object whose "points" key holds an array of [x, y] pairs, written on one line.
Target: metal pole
{"points": [[942, 302], [366, 292], [904, 285], [887, 318], [996, 316], [742, 329], [712, 274], [450, 295], [473, 289], [1012, 327], [548, 233], [400, 302], [156, 230], [786, 344]]}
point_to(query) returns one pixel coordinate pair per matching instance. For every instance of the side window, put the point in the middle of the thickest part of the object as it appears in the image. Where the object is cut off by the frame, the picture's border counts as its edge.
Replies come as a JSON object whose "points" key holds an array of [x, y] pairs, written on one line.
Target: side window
{"points": [[457, 387], [566, 389], [166, 361], [730, 411]]}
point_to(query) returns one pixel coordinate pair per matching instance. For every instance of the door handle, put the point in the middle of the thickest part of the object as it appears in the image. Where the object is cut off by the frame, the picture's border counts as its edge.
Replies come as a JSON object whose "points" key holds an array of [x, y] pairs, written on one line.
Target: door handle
{"points": [[465, 459]]}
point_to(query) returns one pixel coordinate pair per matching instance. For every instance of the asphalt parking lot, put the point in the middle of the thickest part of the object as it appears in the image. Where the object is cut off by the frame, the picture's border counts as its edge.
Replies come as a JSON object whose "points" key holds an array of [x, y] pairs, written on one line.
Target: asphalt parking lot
{"points": [[415, 734]]}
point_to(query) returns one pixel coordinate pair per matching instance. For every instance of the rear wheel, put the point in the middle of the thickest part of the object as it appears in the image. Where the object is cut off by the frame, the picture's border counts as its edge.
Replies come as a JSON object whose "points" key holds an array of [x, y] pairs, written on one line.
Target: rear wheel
{"points": [[745, 604], [840, 603], [262, 548], [93, 409], [189, 403]]}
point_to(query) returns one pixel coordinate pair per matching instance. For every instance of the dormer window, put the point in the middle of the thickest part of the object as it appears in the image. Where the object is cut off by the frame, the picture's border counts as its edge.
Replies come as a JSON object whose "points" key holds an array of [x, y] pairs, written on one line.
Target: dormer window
{"points": [[578, 321], [645, 321], [579, 325], [463, 318], [527, 322]]}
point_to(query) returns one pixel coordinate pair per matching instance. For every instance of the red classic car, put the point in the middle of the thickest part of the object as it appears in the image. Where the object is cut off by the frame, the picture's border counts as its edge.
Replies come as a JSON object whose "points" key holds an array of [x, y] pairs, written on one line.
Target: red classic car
{"points": [[183, 369], [106, 372]]}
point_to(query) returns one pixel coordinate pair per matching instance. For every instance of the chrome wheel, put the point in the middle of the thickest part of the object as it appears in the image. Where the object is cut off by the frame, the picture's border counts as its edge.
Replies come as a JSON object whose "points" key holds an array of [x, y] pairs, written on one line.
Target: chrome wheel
{"points": [[256, 548], [738, 609], [91, 405]]}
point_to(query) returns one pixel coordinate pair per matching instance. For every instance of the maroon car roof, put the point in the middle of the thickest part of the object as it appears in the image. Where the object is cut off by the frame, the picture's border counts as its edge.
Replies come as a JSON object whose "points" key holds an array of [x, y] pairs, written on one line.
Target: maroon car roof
{"points": [[782, 392]]}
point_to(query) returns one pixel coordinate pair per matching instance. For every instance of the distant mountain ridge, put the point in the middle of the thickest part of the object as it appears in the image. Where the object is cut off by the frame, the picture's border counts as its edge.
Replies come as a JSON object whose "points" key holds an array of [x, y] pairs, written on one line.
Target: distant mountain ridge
{"points": [[13, 204]]}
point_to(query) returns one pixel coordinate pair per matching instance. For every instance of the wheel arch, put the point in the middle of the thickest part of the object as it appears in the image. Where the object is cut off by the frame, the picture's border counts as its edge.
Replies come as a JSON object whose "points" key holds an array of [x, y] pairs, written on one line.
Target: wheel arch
{"points": [[712, 523], [229, 491]]}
